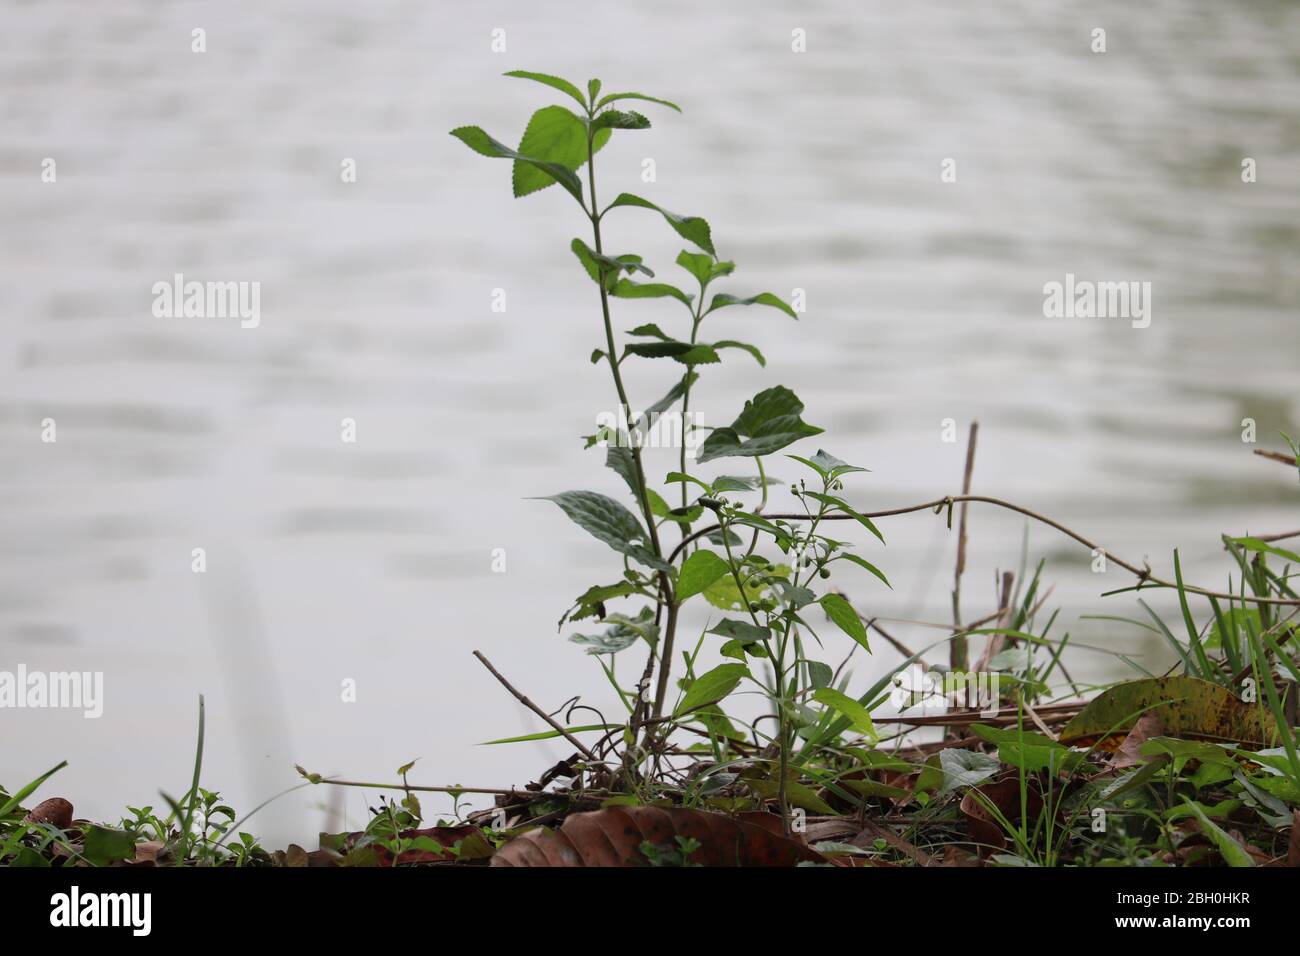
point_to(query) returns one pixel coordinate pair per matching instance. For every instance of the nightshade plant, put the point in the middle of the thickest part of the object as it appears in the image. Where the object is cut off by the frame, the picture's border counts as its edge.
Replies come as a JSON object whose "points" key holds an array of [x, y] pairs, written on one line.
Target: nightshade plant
{"points": [[716, 555]]}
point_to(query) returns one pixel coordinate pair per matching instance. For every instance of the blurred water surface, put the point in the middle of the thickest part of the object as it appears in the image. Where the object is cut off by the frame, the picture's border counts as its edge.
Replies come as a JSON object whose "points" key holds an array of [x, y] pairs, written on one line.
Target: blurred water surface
{"points": [[819, 171]]}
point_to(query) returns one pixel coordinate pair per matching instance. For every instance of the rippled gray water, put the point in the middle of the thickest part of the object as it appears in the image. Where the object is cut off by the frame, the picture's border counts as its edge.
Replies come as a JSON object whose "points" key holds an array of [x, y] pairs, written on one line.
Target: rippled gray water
{"points": [[818, 170]]}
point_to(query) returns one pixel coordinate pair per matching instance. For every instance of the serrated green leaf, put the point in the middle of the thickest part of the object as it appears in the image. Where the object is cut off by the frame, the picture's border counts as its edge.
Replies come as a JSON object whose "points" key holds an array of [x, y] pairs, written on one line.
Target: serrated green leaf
{"points": [[607, 268], [591, 603], [722, 300], [627, 289], [622, 634], [614, 97], [602, 517], [752, 350], [684, 352], [616, 119], [704, 268], [620, 460], [483, 144], [725, 483], [769, 422], [553, 135], [554, 82], [691, 228]]}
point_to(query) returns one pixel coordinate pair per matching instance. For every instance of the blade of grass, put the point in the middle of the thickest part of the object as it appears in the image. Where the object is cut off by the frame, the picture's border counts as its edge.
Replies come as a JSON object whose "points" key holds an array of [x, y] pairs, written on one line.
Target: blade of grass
{"points": [[1189, 667], [27, 791], [1193, 637], [194, 788]]}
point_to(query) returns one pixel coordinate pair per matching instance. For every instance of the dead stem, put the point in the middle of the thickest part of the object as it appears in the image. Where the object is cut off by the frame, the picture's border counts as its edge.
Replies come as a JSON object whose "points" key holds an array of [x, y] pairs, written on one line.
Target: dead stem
{"points": [[582, 749], [1143, 574], [958, 650], [1277, 456], [528, 794]]}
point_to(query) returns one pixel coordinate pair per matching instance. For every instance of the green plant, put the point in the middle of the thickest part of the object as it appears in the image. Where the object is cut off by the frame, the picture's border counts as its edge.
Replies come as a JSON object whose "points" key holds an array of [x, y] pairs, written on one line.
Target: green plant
{"points": [[773, 599], [193, 834], [671, 856]]}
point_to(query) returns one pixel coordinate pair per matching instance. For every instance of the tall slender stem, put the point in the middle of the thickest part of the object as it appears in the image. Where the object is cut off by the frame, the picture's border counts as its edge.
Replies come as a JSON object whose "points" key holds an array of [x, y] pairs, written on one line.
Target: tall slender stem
{"points": [[665, 585], [686, 399], [958, 652]]}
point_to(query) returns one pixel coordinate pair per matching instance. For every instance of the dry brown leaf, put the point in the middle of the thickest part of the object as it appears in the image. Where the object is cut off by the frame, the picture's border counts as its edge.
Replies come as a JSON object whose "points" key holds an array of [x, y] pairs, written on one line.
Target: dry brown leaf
{"points": [[1129, 753], [834, 828], [474, 846], [955, 856], [874, 831], [1293, 845], [295, 855], [146, 854], [613, 837], [55, 811]]}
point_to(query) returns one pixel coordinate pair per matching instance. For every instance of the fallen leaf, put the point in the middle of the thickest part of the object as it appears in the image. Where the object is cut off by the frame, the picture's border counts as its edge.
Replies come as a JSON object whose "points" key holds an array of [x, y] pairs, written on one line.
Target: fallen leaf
{"points": [[55, 811], [834, 828], [613, 837], [146, 853], [1293, 845], [473, 846], [871, 832], [1188, 707], [295, 855], [1129, 752], [955, 856]]}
